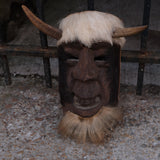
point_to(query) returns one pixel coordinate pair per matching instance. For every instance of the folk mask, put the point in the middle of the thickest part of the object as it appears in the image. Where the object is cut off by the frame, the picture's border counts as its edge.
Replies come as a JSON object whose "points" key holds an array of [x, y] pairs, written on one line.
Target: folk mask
{"points": [[88, 77], [89, 45]]}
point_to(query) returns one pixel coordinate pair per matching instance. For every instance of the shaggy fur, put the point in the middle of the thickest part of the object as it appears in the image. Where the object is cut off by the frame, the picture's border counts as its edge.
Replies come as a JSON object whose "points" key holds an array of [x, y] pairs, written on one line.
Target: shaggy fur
{"points": [[93, 128], [90, 27]]}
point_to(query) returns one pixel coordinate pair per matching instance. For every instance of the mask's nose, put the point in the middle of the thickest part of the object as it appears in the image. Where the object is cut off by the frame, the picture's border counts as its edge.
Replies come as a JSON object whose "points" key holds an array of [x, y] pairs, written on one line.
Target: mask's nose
{"points": [[86, 68]]}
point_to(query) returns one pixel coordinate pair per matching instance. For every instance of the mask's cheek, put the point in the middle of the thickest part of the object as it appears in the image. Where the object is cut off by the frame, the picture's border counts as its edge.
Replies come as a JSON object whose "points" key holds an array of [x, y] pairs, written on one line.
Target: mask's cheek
{"points": [[70, 80], [105, 83]]}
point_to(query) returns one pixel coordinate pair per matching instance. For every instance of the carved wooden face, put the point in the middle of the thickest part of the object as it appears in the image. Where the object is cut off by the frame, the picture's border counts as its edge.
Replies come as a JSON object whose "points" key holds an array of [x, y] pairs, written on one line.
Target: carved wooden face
{"points": [[88, 77]]}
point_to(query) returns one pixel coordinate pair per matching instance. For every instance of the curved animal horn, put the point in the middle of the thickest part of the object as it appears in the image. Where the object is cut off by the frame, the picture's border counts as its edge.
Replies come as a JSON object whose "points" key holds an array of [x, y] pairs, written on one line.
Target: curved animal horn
{"points": [[124, 32], [42, 26]]}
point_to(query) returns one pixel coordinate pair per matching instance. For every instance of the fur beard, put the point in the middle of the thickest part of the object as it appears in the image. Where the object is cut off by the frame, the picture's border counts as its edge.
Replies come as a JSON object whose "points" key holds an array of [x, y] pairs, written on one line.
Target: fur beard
{"points": [[92, 129]]}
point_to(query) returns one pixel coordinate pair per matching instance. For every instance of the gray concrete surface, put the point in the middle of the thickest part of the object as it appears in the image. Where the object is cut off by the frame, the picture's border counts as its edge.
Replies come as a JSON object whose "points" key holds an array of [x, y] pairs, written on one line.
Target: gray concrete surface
{"points": [[30, 113]]}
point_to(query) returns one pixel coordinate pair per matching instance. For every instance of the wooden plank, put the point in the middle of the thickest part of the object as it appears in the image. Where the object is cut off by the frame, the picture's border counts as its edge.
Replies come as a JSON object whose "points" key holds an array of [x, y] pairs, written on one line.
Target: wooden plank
{"points": [[3, 58], [6, 71], [91, 5], [44, 44], [138, 56], [34, 51], [144, 35]]}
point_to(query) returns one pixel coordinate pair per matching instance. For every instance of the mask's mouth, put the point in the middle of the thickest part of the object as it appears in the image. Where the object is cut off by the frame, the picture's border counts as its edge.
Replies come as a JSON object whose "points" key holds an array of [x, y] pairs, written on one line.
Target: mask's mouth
{"points": [[87, 103]]}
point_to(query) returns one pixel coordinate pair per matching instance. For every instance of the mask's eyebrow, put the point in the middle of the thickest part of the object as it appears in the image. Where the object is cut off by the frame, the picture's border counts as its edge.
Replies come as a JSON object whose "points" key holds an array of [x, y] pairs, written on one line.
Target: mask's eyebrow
{"points": [[100, 45], [74, 45], [77, 45], [73, 49]]}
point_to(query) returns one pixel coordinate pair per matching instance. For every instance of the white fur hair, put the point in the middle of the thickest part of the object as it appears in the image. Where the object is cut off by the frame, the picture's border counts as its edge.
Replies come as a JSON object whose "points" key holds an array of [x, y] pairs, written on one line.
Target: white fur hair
{"points": [[90, 27], [93, 129]]}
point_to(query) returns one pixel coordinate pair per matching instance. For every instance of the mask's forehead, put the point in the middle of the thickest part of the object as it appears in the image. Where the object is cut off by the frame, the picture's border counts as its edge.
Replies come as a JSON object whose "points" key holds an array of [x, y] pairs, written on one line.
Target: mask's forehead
{"points": [[102, 49], [75, 44]]}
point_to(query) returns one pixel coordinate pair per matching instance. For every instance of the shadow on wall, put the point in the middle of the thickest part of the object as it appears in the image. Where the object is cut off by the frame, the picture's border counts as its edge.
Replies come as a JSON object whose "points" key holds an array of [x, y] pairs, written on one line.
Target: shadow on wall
{"points": [[12, 17]]}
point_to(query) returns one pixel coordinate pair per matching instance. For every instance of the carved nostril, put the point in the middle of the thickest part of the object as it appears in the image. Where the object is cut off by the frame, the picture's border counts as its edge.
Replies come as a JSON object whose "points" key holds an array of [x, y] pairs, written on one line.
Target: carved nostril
{"points": [[90, 75], [85, 74]]}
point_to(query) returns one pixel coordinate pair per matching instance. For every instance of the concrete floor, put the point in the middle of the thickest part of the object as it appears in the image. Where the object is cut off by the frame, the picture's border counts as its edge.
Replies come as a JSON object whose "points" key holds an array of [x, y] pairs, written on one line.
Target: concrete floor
{"points": [[30, 113]]}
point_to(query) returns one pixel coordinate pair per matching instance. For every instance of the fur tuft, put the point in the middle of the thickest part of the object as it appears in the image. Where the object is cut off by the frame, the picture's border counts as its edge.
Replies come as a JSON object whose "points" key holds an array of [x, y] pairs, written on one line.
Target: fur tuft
{"points": [[90, 27], [92, 128]]}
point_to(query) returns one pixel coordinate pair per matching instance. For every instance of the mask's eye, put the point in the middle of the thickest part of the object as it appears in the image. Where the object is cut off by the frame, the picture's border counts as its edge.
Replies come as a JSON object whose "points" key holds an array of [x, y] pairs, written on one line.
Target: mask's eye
{"points": [[100, 58], [72, 60], [102, 61]]}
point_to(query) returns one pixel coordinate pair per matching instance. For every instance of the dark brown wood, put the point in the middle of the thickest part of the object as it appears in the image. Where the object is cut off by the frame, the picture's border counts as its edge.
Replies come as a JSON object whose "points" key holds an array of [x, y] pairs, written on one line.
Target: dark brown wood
{"points": [[3, 58], [138, 56], [44, 44], [87, 76], [144, 35], [34, 51], [90, 4], [5, 66]]}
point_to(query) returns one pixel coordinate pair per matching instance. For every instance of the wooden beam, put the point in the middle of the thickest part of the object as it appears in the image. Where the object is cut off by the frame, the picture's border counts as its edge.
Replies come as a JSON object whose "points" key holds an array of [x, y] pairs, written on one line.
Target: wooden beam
{"points": [[144, 35], [91, 5], [6, 71], [34, 51], [3, 58], [44, 44], [138, 56]]}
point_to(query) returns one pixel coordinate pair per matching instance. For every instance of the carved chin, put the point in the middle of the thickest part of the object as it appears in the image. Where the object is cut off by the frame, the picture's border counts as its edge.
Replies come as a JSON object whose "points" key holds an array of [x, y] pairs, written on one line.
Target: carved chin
{"points": [[92, 129]]}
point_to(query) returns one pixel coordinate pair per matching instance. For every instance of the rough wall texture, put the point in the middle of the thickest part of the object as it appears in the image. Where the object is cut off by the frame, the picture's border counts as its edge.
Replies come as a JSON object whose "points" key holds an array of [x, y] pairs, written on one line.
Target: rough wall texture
{"points": [[131, 12]]}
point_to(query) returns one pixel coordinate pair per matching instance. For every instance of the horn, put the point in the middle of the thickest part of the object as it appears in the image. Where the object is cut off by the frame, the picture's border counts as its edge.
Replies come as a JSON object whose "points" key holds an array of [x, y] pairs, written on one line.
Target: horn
{"points": [[124, 32], [42, 26]]}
